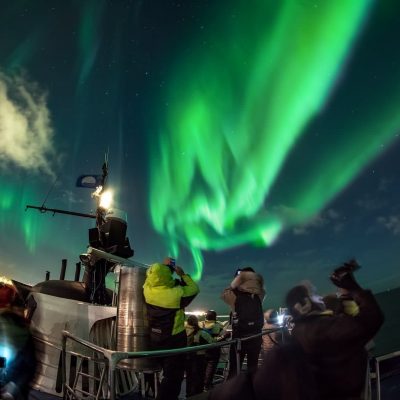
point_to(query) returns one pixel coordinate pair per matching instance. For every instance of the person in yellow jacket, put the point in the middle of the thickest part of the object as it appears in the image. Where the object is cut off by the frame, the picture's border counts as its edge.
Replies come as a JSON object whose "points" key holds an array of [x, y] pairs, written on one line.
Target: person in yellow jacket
{"points": [[166, 299]]}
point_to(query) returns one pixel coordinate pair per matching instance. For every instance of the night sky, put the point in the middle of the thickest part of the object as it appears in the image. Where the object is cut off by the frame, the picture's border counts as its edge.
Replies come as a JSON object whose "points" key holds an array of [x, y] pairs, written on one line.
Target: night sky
{"points": [[239, 133]]}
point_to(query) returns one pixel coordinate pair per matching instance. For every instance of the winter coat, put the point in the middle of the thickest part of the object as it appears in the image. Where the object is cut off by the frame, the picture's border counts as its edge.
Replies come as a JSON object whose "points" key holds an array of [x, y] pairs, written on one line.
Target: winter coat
{"points": [[214, 328], [271, 339], [246, 281], [335, 346], [197, 337], [165, 300], [283, 375]]}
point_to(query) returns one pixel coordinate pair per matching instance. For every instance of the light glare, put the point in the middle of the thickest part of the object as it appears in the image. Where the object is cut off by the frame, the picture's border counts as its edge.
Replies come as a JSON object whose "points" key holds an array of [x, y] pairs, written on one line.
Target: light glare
{"points": [[106, 199]]}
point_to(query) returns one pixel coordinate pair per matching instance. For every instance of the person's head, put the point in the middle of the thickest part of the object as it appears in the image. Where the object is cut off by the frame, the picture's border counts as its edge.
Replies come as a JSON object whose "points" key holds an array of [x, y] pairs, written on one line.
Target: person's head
{"points": [[211, 315], [170, 263], [8, 292], [271, 316], [193, 321], [299, 302]]}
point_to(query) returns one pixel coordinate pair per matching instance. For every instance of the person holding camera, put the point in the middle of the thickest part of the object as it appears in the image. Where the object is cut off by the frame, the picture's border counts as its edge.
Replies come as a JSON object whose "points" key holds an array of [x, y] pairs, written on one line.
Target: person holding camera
{"points": [[326, 357], [245, 296], [166, 299], [334, 344]]}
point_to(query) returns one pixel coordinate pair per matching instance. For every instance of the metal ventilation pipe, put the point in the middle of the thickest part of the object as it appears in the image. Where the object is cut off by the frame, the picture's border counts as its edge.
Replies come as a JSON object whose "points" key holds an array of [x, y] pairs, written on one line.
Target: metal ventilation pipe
{"points": [[132, 324], [63, 269], [77, 271]]}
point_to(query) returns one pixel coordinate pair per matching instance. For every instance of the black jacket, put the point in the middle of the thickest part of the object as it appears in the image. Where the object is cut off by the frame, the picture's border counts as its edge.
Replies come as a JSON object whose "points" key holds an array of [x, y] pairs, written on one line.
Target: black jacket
{"points": [[335, 346]]}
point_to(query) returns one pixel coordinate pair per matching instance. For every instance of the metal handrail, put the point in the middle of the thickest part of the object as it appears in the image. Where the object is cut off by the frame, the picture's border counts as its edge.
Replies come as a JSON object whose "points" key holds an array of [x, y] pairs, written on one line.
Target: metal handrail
{"points": [[114, 357], [377, 369]]}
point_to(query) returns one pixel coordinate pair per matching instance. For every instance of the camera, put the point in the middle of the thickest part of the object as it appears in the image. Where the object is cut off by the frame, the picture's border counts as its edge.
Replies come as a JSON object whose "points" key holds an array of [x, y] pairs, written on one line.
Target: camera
{"points": [[342, 276], [347, 268], [172, 262]]}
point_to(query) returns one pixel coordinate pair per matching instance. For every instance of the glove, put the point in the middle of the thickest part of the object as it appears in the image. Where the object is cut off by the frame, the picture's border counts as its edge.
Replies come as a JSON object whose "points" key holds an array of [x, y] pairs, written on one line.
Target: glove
{"points": [[343, 278]]}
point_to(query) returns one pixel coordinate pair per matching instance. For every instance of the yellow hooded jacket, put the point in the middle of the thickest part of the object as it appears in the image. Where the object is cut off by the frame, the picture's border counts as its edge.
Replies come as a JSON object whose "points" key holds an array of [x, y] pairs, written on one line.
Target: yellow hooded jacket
{"points": [[166, 300]]}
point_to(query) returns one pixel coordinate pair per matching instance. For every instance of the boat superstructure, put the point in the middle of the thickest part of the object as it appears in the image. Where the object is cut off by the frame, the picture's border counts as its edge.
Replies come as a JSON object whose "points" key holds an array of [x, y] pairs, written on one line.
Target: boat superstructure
{"points": [[114, 319]]}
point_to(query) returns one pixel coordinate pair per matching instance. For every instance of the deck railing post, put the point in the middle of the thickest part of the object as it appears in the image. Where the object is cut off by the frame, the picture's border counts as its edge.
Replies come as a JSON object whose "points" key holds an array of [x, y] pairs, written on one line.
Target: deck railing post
{"points": [[64, 365], [238, 346]]}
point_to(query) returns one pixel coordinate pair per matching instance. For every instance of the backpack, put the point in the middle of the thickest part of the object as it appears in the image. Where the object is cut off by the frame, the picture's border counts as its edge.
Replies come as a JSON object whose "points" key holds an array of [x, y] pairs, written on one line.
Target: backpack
{"points": [[249, 318]]}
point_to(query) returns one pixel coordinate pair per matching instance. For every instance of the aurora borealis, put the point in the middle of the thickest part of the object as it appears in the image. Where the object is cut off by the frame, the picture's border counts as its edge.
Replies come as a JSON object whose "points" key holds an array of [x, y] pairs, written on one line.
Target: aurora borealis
{"points": [[228, 133], [237, 134]]}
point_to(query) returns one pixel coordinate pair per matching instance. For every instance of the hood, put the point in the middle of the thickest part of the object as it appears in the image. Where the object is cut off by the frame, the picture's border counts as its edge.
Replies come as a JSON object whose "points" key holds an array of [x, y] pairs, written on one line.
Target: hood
{"points": [[159, 275], [250, 282]]}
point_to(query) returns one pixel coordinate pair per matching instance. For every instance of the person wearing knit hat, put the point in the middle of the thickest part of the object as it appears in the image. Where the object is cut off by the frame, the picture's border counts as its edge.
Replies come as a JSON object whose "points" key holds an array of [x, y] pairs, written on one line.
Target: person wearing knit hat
{"points": [[214, 328], [196, 362]]}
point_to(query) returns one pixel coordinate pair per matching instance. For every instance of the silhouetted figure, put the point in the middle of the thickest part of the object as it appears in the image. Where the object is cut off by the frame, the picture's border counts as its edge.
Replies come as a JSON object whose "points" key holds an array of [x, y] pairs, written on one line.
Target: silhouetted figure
{"points": [[214, 328], [335, 343], [17, 351], [269, 340], [244, 296], [195, 362]]}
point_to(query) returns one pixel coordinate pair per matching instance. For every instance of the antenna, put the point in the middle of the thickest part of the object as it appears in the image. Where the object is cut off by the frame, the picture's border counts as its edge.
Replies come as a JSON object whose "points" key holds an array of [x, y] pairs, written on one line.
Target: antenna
{"points": [[48, 193]]}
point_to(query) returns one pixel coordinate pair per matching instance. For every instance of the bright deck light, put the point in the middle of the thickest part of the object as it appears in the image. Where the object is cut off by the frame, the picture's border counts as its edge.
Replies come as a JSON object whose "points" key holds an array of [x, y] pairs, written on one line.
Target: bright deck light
{"points": [[106, 199]]}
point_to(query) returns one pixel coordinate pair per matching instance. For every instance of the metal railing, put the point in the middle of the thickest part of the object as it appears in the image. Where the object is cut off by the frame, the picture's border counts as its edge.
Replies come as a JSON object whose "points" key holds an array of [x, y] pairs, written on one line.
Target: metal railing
{"points": [[112, 357], [377, 376]]}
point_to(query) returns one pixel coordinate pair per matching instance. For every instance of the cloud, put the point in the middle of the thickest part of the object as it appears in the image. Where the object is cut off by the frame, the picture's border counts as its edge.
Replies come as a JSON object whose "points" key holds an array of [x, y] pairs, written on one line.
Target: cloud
{"points": [[385, 184], [392, 223], [26, 133], [319, 221], [369, 203]]}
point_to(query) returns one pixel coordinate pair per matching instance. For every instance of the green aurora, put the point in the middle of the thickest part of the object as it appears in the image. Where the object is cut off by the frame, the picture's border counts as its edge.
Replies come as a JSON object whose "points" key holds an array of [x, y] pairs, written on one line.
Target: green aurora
{"points": [[241, 97], [234, 116]]}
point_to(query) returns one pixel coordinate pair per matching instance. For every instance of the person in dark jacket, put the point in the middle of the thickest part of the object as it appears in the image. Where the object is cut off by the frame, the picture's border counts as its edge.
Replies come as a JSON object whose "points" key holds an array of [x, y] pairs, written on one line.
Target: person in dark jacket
{"points": [[214, 328], [17, 350], [335, 343], [283, 375], [165, 302], [195, 362], [245, 296]]}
